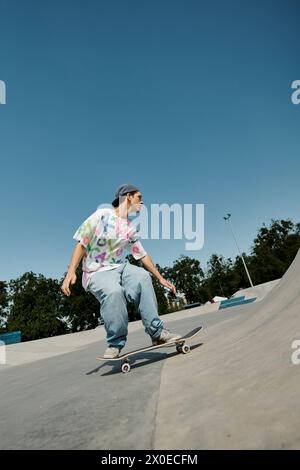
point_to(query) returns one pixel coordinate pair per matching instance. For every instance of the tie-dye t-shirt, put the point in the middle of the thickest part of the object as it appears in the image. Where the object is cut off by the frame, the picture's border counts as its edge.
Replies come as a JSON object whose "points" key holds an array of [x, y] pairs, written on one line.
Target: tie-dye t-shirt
{"points": [[107, 239]]}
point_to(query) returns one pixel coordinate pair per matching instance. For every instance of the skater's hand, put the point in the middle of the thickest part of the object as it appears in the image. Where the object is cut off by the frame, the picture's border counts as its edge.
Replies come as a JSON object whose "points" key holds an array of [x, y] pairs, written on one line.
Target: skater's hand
{"points": [[69, 279], [168, 285]]}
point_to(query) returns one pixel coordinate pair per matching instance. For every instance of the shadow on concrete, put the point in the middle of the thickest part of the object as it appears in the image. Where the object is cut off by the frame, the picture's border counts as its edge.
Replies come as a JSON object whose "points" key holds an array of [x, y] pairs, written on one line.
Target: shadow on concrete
{"points": [[147, 359]]}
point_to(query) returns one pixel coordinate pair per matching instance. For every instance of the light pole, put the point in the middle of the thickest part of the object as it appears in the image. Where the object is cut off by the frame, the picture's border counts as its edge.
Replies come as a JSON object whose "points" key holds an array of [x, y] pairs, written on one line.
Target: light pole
{"points": [[227, 218]]}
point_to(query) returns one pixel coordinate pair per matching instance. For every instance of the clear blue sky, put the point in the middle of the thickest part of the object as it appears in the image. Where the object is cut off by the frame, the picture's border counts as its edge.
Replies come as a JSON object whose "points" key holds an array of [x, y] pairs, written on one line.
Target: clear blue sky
{"points": [[190, 100]]}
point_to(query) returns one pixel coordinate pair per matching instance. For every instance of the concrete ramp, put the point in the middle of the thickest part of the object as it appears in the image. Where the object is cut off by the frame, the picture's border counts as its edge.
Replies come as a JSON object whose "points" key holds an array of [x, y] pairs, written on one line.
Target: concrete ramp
{"points": [[260, 291], [239, 389]]}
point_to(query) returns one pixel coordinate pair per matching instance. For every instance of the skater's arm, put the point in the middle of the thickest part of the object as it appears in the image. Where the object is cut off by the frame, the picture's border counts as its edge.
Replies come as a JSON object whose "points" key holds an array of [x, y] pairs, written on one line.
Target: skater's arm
{"points": [[148, 264], [77, 255]]}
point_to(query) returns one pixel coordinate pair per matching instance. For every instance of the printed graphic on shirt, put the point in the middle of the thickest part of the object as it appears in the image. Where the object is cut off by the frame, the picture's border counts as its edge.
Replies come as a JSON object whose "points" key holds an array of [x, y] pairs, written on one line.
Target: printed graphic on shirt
{"points": [[107, 239]]}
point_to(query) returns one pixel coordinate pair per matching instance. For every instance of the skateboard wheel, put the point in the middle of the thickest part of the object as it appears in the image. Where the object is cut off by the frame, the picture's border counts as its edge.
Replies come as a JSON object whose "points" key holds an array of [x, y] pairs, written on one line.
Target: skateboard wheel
{"points": [[179, 349], [125, 367], [185, 349]]}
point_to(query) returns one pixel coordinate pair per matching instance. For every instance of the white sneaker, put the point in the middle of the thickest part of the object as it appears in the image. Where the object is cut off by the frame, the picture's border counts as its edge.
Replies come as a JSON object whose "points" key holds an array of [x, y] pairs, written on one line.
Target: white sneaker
{"points": [[111, 352], [165, 337]]}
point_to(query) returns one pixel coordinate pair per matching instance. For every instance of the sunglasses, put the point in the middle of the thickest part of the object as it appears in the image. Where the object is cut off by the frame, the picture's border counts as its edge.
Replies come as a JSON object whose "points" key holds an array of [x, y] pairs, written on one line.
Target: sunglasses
{"points": [[138, 196]]}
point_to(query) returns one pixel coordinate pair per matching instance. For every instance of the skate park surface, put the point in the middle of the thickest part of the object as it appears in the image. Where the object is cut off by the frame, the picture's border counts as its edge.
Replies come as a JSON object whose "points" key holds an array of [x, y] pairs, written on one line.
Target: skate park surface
{"points": [[237, 389]]}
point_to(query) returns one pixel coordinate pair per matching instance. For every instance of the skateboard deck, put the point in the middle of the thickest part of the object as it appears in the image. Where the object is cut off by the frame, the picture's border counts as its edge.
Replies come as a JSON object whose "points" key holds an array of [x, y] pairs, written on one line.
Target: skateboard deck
{"points": [[181, 347]]}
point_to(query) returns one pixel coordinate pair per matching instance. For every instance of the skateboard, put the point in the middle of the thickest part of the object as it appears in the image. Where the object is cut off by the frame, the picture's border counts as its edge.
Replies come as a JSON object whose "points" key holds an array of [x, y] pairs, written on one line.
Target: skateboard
{"points": [[181, 347]]}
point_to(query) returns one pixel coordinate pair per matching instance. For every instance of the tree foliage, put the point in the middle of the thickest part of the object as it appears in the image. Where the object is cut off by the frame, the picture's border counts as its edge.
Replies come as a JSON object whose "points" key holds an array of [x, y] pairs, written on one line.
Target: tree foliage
{"points": [[220, 278], [81, 309], [36, 307], [3, 304], [187, 276], [274, 249]]}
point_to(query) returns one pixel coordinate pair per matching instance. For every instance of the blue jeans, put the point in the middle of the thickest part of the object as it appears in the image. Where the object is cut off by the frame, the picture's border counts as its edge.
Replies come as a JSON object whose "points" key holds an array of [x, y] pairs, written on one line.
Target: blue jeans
{"points": [[112, 288]]}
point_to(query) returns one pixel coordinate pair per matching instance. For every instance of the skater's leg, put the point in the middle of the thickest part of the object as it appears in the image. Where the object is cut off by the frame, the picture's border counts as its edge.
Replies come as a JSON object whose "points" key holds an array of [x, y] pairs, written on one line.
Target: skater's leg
{"points": [[138, 287], [105, 286]]}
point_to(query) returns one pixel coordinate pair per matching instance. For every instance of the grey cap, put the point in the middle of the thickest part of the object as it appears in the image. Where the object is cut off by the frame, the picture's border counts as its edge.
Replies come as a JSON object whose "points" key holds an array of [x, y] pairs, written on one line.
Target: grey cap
{"points": [[122, 191]]}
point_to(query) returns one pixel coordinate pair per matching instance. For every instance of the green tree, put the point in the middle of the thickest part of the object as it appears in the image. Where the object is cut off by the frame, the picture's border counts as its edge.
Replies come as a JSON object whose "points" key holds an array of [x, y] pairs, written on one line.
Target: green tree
{"points": [[161, 297], [274, 249], [3, 304], [81, 308], [187, 275], [220, 278], [35, 307]]}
